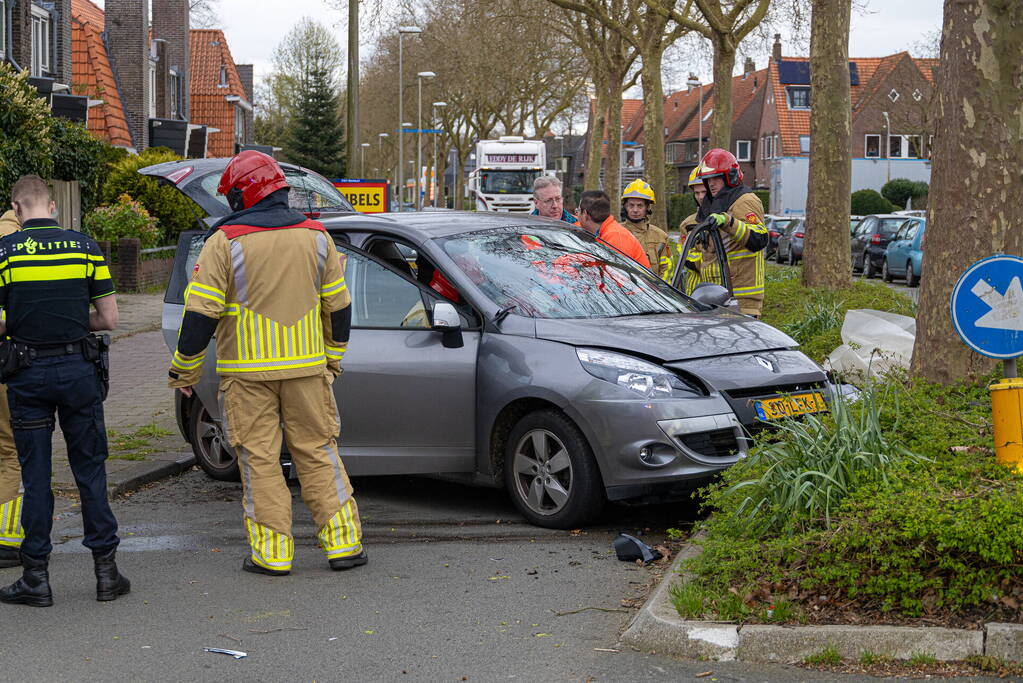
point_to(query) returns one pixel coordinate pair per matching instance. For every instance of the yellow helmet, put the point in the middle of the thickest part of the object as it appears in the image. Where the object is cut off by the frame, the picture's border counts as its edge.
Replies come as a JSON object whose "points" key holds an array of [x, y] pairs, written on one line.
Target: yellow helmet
{"points": [[694, 177], [639, 189]]}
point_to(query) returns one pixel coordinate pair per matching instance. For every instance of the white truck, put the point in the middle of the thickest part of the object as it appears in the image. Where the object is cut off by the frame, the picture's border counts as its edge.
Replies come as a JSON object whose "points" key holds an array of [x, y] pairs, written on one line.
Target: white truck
{"points": [[504, 174]]}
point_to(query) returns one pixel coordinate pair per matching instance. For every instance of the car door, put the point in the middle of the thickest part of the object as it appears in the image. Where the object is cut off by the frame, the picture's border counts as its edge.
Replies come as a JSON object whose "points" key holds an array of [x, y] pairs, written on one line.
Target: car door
{"points": [[407, 403], [859, 242], [896, 252]]}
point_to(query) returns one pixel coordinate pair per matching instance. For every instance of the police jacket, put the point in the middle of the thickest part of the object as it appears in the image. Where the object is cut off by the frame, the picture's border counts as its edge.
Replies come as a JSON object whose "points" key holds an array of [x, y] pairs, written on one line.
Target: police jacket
{"points": [[269, 282]]}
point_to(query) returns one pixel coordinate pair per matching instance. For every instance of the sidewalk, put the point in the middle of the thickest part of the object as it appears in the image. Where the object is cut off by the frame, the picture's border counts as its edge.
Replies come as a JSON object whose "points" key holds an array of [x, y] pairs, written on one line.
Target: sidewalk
{"points": [[145, 444]]}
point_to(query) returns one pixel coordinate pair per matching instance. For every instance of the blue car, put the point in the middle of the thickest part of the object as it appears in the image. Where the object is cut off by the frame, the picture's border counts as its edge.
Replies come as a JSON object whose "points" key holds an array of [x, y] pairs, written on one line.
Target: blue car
{"points": [[905, 253]]}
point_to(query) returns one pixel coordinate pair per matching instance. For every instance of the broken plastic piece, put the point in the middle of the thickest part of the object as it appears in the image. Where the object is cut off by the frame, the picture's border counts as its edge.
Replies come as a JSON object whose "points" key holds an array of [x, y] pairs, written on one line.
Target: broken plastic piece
{"points": [[237, 654], [630, 549]]}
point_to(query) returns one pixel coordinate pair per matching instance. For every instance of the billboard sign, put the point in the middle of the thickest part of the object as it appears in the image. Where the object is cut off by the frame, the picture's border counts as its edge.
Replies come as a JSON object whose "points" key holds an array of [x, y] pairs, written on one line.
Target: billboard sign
{"points": [[367, 196]]}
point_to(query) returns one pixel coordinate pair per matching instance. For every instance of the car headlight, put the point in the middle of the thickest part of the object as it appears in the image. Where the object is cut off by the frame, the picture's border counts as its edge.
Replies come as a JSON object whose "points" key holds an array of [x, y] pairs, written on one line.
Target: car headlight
{"points": [[646, 379]]}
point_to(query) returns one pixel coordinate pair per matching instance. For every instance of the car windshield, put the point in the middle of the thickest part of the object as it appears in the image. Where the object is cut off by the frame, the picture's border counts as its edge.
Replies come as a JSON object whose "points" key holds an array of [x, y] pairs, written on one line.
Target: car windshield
{"points": [[853, 223], [555, 272], [309, 192], [508, 182], [781, 223], [887, 227]]}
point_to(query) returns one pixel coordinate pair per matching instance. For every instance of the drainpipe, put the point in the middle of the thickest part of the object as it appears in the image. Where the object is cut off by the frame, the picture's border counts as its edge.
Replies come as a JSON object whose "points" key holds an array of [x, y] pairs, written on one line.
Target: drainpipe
{"points": [[9, 38]]}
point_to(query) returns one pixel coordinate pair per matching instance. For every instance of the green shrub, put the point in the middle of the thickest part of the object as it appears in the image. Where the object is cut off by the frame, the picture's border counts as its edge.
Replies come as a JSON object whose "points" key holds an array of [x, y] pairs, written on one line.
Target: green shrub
{"points": [[899, 190], [25, 123], [765, 199], [173, 211], [866, 202], [78, 155], [814, 316], [679, 206], [124, 218]]}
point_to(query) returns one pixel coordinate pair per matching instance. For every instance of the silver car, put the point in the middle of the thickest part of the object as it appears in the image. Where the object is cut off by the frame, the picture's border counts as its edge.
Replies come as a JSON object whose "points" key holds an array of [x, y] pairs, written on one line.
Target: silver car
{"points": [[513, 351]]}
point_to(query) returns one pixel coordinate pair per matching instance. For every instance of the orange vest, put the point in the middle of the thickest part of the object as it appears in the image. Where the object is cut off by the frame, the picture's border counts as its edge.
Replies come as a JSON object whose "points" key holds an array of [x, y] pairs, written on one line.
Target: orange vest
{"points": [[614, 235]]}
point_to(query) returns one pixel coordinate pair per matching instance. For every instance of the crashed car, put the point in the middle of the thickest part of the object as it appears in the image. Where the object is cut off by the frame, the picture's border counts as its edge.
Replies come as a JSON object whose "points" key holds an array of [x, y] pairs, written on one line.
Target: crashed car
{"points": [[513, 351]]}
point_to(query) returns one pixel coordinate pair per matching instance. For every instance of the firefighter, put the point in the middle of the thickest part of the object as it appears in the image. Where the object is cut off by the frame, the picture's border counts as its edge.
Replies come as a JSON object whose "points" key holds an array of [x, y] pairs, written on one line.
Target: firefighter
{"points": [[739, 216], [279, 347], [11, 533], [637, 204]]}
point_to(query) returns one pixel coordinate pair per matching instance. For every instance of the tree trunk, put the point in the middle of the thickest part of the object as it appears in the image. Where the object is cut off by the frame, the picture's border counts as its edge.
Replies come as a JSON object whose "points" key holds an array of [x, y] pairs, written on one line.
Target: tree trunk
{"points": [[975, 187], [613, 161], [653, 132], [595, 145], [827, 261], [721, 123]]}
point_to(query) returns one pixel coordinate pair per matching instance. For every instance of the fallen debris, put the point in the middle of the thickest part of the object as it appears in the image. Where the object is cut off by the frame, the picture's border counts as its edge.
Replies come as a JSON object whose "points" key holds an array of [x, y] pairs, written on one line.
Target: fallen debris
{"points": [[630, 549], [237, 654]]}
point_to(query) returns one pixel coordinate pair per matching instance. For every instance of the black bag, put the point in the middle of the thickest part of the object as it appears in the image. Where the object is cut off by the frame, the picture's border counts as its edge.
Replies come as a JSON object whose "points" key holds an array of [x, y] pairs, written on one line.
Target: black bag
{"points": [[96, 348], [13, 357]]}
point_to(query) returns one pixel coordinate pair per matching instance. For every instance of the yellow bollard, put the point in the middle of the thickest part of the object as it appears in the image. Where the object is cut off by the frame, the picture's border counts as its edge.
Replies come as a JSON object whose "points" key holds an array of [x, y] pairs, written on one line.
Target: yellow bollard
{"points": [[1007, 416]]}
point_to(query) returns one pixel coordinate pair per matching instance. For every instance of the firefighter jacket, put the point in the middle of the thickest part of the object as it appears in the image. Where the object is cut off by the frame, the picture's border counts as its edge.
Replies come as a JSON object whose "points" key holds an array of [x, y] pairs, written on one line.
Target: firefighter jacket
{"points": [[614, 235], [655, 244], [272, 289], [8, 224], [744, 238]]}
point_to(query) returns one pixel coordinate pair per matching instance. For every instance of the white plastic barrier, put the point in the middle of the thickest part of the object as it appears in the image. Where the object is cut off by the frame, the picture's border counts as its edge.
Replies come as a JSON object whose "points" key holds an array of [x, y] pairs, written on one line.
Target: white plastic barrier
{"points": [[873, 342]]}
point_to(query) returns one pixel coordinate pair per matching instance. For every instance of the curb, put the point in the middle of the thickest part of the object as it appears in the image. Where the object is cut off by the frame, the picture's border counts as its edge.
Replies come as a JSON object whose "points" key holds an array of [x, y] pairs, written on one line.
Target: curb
{"points": [[150, 472], [658, 627]]}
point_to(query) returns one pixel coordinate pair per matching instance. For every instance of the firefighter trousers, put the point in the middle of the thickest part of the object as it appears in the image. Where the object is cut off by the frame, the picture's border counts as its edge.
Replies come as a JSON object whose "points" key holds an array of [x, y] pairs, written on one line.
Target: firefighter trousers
{"points": [[254, 413], [11, 533]]}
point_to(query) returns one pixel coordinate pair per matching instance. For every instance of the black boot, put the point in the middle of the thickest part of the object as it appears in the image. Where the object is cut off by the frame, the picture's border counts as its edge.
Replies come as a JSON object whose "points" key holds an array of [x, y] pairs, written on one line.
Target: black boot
{"points": [[33, 588], [9, 557], [340, 564], [250, 566], [110, 583]]}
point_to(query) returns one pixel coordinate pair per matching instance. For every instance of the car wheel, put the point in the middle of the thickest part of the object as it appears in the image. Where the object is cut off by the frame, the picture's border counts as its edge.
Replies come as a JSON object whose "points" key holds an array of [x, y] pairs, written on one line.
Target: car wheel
{"points": [[777, 256], [912, 279], [869, 271], [885, 273], [550, 472], [212, 453], [792, 257]]}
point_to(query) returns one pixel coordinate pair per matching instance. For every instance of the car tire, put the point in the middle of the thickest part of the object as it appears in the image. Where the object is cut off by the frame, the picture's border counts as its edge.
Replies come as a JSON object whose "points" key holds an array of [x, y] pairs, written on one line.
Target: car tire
{"points": [[212, 452], [886, 274], [792, 257], [777, 256], [912, 279], [869, 271], [550, 489]]}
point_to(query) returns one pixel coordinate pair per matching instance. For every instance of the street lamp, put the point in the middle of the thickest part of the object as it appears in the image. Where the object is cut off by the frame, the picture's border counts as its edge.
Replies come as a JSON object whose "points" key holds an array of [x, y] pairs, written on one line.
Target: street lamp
{"points": [[402, 32], [362, 158], [419, 139], [436, 172], [695, 82], [561, 154], [406, 126], [380, 151]]}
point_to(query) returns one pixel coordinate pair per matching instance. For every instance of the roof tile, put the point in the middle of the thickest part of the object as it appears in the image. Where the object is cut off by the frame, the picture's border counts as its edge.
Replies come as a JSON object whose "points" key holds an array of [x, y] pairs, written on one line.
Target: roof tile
{"points": [[92, 74], [210, 52]]}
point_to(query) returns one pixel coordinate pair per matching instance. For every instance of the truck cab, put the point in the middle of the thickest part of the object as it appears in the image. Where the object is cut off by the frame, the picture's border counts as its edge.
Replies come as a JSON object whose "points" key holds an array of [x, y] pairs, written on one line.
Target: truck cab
{"points": [[504, 173]]}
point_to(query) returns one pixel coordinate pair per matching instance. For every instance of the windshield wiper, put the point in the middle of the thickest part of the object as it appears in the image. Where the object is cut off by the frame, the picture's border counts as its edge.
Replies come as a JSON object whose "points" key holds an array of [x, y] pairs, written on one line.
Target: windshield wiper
{"points": [[503, 313]]}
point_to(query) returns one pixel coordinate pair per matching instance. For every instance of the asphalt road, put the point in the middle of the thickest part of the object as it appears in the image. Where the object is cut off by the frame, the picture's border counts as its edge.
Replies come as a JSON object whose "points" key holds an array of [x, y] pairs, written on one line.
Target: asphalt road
{"points": [[458, 588]]}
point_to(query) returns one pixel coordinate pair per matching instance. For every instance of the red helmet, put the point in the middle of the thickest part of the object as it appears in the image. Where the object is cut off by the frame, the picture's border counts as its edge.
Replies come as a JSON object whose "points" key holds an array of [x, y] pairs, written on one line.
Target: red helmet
{"points": [[720, 162], [249, 177]]}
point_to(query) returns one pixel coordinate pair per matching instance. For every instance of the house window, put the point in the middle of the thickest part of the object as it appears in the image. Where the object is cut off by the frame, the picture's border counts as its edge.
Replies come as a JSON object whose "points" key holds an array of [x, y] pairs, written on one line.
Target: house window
{"points": [[40, 41], [239, 125], [904, 147], [152, 90], [776, 147], [742, 150], [223, 77], [3, 28], [917, 95], [893, 95], [872, 146], [804, 144], [799, 98]]}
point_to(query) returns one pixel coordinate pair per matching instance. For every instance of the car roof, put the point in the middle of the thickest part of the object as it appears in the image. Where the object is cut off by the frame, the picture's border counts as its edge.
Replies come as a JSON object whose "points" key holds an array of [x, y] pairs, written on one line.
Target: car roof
{"points": [[431, 225], [201, 166]]}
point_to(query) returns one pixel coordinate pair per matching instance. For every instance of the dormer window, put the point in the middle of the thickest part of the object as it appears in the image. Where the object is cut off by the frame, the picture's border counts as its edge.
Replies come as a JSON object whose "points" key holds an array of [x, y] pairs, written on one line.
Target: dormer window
{"points": [[799, 97]]}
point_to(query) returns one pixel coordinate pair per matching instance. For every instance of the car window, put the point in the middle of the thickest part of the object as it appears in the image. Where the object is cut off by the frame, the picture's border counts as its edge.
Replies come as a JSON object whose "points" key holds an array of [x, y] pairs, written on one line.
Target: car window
{"points": [[189, 245], [313, 193], [887, 227], [910, 230], [853, 224], [551, 272], [380, 297], [866, 226]]}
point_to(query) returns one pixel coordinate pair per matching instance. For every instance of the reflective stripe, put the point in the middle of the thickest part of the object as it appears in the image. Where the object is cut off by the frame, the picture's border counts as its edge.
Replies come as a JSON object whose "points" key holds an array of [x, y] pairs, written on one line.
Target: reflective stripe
{"points": [[241, 283], [333, 287], [735, 255], [271, 364], [270, 549], [46, 273], [185, 363], [339, 537], [335, 352], [211, 293], [321, 254], [11, 531]]}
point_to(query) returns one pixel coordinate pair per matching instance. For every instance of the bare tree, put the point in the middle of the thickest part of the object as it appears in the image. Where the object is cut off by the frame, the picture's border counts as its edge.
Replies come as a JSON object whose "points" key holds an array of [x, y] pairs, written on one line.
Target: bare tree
{"points": [[975, 178], [827, 261], [203, 13]]}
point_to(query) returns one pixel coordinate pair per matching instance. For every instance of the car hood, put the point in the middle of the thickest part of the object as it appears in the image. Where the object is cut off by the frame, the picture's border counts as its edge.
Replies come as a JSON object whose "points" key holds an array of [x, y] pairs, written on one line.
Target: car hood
{"points": [[671, 336]]}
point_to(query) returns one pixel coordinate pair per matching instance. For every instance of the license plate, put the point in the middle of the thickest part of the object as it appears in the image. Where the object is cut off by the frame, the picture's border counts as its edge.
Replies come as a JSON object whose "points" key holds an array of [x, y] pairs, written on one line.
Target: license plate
{"points": [[790, 406]]}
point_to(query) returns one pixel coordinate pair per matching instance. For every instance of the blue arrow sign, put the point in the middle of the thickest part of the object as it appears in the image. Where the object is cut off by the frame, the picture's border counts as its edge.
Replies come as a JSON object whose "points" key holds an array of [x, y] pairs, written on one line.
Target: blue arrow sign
{"points": [[987, 306]]}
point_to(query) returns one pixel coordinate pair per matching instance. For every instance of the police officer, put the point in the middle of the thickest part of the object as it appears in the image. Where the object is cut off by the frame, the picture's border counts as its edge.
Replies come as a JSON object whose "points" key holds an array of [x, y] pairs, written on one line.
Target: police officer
{"points": [[739, 215], [637, 204], [279, 348], [48, 279], [11, 533]]}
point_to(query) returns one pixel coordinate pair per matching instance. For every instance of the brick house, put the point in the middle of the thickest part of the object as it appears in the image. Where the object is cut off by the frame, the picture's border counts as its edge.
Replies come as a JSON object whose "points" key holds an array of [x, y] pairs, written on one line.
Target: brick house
{"points": [[221, 93], [632, 157], [35, 36], [134, 73]]}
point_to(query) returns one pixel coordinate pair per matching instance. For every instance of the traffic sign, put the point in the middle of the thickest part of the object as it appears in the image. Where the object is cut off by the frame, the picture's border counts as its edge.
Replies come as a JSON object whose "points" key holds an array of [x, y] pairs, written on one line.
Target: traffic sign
{"points": [[366, 196], [987, 306]]}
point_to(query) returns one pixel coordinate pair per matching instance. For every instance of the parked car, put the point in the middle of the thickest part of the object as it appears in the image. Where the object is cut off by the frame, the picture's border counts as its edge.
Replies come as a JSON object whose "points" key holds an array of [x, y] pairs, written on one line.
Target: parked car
{"points": [[916, 213], [775, 226], [905, 253], [870, 239], [561, 371], [790, 243]]}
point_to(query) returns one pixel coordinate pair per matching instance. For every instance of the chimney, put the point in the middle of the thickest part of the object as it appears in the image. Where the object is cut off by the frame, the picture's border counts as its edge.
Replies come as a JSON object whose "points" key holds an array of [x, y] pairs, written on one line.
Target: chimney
{"points": [[62, 41], [776, 51], [21, 34], [170, 23], [127, 40], [750, 66], [245, 73]]}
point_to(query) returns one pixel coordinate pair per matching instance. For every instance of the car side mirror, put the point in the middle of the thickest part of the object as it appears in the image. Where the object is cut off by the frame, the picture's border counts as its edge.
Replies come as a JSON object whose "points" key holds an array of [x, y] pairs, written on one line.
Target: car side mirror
{"points": [[710, 294], [447, 321]]}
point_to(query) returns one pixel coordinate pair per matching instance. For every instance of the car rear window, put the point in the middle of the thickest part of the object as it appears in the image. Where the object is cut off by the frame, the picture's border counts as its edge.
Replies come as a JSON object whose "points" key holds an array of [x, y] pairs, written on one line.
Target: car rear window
{"points": [[310, 193], [887, 227]]}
